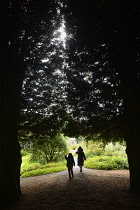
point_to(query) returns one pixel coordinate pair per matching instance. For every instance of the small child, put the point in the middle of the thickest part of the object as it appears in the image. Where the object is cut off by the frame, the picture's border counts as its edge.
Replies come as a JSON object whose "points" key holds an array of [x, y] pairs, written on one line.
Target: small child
{"points": [[70, 164]]}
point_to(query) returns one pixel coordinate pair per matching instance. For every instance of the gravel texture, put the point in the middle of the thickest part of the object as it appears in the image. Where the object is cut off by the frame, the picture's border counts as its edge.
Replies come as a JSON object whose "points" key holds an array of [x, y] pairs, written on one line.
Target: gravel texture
{"points": [[90, 189]]}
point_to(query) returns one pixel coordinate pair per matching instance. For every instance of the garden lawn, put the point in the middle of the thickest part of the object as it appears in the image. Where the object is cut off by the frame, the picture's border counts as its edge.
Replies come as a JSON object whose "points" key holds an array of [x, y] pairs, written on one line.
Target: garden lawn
{"points": [[36, 169]]}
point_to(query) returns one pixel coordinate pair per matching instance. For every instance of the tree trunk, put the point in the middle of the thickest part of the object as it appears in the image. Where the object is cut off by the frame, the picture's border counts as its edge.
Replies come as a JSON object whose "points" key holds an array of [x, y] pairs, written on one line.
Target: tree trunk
{"points": [[133, 153], [125, 55], [132, 134], [10, 159], [131, 101], [11, 77]]}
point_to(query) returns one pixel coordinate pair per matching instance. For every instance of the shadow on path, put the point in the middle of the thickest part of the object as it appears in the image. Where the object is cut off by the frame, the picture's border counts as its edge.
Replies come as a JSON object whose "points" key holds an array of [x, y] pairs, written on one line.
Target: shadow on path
{"points": [[91, 189]]}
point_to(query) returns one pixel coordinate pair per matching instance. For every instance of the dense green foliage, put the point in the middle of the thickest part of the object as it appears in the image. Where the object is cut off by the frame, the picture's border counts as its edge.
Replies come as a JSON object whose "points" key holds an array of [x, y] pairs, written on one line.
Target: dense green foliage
{"points": [[106, 163], [99, 156], [47, 149], [30, 168], [110, 156]]}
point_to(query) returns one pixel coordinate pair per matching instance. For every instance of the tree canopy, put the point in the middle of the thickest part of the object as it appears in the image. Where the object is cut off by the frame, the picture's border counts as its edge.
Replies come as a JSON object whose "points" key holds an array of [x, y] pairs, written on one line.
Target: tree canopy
{"points": [[81, 85]]}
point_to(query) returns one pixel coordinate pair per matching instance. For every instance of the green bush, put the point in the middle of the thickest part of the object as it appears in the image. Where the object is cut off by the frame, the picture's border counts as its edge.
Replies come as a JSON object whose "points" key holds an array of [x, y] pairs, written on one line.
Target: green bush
{"points": [[106, 163], [24, 152], [94, 152], [115, 149], [47, 149], [109, 149]]}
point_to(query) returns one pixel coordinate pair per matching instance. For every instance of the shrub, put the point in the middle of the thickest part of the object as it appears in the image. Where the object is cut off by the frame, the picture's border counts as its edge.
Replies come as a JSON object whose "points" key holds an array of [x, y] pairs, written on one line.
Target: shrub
{"points": [[109, 149], [94, 152], [106, 163], [48, 149], [115, 149], [94, 149], [24, 152]]}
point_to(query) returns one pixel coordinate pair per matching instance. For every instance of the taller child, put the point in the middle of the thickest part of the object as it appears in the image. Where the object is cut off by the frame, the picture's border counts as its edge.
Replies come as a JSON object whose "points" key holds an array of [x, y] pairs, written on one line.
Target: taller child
{"points": [[81, 158]]}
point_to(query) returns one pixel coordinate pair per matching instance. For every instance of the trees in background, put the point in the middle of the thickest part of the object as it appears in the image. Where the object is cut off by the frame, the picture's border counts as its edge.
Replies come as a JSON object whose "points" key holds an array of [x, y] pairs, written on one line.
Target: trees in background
{"points": [[48, 149]]}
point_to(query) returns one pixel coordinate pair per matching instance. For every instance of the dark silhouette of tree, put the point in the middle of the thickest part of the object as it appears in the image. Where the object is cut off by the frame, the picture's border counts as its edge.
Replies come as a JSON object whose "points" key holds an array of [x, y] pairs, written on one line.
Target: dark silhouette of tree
{"points": [[94, 84], [43, 105], [22, 23], [102, 76], [102, 90], [109, 100]]}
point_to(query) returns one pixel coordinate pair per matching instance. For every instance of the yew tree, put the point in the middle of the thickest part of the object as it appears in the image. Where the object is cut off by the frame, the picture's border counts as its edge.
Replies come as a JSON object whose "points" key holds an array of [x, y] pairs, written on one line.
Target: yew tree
{"points": [[43, 104], [104, 75], [101, 71], [22, 23]]}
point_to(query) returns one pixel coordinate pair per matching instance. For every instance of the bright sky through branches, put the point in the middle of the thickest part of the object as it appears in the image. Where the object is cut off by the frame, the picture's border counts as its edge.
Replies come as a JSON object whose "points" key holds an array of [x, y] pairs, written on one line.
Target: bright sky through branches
{"points": [[63, 34], [59, 36]]}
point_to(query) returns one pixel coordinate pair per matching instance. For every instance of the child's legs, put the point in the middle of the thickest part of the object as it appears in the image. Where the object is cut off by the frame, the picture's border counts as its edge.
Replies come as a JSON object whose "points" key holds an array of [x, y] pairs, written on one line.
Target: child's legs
{"points": [[69, 172], [80, 166]]}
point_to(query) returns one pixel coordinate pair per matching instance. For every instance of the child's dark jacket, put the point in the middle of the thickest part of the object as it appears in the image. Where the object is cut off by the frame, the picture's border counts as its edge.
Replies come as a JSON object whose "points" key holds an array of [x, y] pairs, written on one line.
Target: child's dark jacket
{"points": [[81, 157], [70, 161]]}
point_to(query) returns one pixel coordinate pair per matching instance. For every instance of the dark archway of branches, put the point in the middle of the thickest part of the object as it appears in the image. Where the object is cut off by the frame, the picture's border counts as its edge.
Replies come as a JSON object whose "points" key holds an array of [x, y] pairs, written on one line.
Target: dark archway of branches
{"points": [[90, 84]]}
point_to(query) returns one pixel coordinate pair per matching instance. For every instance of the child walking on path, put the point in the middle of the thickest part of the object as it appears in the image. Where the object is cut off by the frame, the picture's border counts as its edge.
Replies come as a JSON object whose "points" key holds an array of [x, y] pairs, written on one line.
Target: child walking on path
{"points": [[70, 164], [81, 158]]}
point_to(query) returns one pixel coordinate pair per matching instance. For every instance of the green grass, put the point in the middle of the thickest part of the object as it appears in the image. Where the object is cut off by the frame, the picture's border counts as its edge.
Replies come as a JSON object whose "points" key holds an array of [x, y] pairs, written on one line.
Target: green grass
{"points": [[109, 157], [106, 163], [36, 169], [112, 156]]}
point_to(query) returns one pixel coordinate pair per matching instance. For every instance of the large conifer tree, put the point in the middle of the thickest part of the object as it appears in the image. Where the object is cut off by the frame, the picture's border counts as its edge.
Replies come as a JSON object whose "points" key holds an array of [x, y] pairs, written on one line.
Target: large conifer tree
{"points": [[21, 25], [111, 94]]}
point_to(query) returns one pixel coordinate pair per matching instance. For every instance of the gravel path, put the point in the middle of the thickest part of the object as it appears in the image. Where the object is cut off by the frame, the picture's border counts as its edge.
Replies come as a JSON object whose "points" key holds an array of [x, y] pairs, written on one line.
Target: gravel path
{"points": [[91, 189]]}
